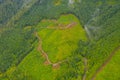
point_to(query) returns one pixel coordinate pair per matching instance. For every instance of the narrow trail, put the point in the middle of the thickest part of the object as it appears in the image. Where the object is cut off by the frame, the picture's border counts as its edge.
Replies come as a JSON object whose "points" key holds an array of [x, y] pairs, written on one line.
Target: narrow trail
{"points": [[44, 54], [105, 63], [62, 28], [85, 69]]}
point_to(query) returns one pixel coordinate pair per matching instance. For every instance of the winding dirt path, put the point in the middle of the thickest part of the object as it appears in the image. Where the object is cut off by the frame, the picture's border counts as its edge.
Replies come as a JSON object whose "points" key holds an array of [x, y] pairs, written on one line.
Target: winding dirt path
{"points": [[44, 54], [105, 63], [63, 26], [85, 68]]}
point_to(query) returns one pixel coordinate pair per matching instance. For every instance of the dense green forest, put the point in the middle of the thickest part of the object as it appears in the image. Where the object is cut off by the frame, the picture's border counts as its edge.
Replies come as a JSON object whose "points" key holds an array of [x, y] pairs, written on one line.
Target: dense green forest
{"points": [[8, 8], [21, 19]]}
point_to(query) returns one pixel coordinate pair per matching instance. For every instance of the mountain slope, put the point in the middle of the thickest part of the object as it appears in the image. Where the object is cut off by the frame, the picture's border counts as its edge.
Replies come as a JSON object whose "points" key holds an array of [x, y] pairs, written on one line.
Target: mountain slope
{"points": [[100, 19]]}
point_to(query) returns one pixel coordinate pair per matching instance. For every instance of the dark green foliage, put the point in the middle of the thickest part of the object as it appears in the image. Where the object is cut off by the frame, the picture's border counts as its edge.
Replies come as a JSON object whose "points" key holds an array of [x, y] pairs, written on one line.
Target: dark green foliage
{"points": [[103, 23], [8, 9], [14, 45], [101, 17], [43, 9]]}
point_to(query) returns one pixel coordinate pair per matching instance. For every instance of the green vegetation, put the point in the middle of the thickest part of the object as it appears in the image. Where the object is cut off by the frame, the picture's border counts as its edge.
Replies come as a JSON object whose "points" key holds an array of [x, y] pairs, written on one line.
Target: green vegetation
{"points": [[8, 8], [66, 43], [14, 45], [111, 70], [38, 71], [53, 20], [57, 42], [42, 9]]}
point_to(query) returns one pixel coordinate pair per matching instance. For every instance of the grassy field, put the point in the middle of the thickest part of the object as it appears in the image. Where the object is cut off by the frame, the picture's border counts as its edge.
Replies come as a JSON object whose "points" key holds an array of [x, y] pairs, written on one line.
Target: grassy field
{"points": [[111, 71], [57, 41], [33, 68]]}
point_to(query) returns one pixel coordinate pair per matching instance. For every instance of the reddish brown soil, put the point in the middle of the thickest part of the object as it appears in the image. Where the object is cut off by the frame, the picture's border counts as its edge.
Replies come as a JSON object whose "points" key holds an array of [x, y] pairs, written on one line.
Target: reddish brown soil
{"points": [[56, 66]]}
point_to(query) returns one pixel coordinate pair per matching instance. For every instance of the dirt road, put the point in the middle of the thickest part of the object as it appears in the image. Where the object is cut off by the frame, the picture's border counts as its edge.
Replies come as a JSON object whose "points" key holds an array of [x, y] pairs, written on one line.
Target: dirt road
{"points": [[85, 69], [106, 62]]}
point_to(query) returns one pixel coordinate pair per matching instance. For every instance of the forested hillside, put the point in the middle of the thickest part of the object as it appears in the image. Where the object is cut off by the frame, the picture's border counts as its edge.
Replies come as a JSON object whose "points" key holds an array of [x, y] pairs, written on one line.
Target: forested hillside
{"points": [[59, 39], [8, 8]]}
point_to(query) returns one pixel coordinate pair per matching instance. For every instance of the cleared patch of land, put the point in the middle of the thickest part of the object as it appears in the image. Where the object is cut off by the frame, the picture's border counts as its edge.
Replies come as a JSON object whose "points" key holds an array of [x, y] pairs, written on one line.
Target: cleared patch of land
{"points": [[57, 39], [60, 37]]}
